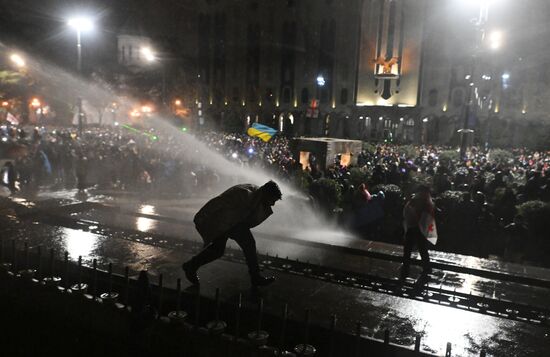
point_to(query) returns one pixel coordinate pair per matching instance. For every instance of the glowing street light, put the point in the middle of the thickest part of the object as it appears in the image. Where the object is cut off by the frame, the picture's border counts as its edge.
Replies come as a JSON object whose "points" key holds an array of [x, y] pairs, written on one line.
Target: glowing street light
{"points": [[17, 60], [148, 54], [495, 40], [35, 103], [80, 24], [177, 102], [320, 80]]}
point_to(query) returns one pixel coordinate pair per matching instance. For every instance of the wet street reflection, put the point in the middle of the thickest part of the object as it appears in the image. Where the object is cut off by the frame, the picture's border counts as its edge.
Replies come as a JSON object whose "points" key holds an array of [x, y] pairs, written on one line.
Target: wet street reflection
{"points": [[80, 243], [135, 234], [144, 224]]}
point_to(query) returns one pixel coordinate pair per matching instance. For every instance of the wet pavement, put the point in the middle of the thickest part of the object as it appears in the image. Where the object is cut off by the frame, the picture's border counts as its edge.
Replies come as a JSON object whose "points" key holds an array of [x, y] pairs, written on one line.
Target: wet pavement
{"points": [[158, 235]]}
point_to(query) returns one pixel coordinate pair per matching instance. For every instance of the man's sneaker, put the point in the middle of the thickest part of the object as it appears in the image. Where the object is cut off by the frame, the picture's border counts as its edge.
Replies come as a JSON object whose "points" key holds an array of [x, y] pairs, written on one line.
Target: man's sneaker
{"points": [[262, 281], [190, 273]]}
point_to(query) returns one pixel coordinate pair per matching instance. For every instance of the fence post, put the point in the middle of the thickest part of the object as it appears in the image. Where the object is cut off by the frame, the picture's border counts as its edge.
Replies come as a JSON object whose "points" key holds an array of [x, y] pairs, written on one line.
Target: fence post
{"points": [[110, 296], [79, 287], [216, 326], [178, 315], [259, 337], [448, 351], [417, 344], [305, 349]]}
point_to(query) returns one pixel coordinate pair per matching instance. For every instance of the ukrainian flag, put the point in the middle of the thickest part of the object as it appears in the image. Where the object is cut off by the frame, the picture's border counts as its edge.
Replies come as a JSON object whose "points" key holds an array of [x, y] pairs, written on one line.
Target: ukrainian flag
{"points": [[262, 131]]}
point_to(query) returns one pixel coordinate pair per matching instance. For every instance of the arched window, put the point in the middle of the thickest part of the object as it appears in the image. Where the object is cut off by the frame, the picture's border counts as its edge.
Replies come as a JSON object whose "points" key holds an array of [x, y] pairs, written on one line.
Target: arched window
{"points": [[344, 96], [410, 122], [286, 95], [305, 96], [432, 98], [458, 97]]}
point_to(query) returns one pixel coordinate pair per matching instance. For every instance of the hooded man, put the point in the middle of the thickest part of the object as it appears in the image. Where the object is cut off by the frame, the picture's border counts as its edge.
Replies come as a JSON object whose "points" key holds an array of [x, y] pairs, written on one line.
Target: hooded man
{"points": [[231, 215]]}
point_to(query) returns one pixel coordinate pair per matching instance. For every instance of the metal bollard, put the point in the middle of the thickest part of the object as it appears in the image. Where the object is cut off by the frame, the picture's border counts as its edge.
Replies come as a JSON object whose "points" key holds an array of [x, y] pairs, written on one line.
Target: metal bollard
{"points": [[94, 279], [197, 307], [66, 270], [161, 297], [357, 339], [282, 351], [4, 265], [79, 287], [259, 337], [13, 257], [216, 326], [305, 349], [110, 296], [448, 351], [332, 332], [51, 280], [417, 344], [126, 286], [26, 250], [39, 256], [177, 316], [238, 316], [26, 272]]}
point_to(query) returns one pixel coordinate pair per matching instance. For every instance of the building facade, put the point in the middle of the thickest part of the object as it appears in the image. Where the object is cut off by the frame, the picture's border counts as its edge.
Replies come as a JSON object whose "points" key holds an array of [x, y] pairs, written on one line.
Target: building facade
{"points": [[393, 70]]}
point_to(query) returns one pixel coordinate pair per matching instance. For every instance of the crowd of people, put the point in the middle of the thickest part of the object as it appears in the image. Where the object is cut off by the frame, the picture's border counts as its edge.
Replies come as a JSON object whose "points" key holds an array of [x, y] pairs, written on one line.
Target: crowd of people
{"points": [[481, 201]]}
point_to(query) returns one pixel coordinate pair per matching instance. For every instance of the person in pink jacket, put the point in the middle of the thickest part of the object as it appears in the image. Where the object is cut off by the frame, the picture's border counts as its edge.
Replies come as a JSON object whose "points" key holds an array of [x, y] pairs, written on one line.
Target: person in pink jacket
{"points": [[231, 215]]}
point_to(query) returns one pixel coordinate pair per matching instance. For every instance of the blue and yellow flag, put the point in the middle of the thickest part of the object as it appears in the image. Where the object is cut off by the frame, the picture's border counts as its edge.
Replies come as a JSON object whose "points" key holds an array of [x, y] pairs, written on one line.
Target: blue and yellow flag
{"points": [[262, 131]]}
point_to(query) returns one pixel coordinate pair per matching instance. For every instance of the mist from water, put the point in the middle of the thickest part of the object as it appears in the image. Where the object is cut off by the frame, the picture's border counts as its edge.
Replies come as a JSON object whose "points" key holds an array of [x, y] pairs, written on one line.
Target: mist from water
{"points": [[293, 216]]}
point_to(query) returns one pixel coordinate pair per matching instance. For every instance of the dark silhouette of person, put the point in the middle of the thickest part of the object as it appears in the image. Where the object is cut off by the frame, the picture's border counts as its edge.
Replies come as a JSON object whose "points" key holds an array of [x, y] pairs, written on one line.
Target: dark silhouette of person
{"points": [[231, 215], [420, 203], [11, 176]]}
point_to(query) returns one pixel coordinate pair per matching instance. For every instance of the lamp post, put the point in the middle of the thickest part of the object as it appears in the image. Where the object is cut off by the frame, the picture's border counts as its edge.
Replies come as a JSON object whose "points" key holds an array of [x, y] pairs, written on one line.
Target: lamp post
{"points": [[80, 24], [494, 43], [21, 65], [150, 56]]}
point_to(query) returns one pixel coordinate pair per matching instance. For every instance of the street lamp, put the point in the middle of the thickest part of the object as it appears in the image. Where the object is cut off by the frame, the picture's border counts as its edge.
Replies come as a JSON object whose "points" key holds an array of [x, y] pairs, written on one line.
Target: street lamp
{"points": [[80, 24], [150, 56], [494, 43], [495, 40], [17, 60]]}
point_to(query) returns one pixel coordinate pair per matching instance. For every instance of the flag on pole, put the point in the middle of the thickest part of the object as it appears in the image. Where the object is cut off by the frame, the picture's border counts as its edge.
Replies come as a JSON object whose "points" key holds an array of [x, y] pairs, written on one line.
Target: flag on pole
{"points": [[264, 132], [428, 227]]}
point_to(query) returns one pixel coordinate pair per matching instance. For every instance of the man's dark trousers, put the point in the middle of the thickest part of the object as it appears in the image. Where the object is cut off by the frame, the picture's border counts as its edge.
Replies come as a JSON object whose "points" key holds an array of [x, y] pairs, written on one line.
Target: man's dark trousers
{"points": [[414, 236], [244, 238]]}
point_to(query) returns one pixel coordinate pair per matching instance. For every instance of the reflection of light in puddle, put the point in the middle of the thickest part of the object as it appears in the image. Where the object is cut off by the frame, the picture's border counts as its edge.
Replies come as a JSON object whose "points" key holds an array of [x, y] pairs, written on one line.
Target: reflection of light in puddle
{"points": [[79, 243], [22, 202], [470, 281], [443, 324], [146, 224]]}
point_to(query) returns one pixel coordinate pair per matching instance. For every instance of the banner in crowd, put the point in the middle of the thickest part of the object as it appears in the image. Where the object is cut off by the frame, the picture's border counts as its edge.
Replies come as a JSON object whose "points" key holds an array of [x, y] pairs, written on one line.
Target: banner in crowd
{"points": [[263, 132], [12, 119]]}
